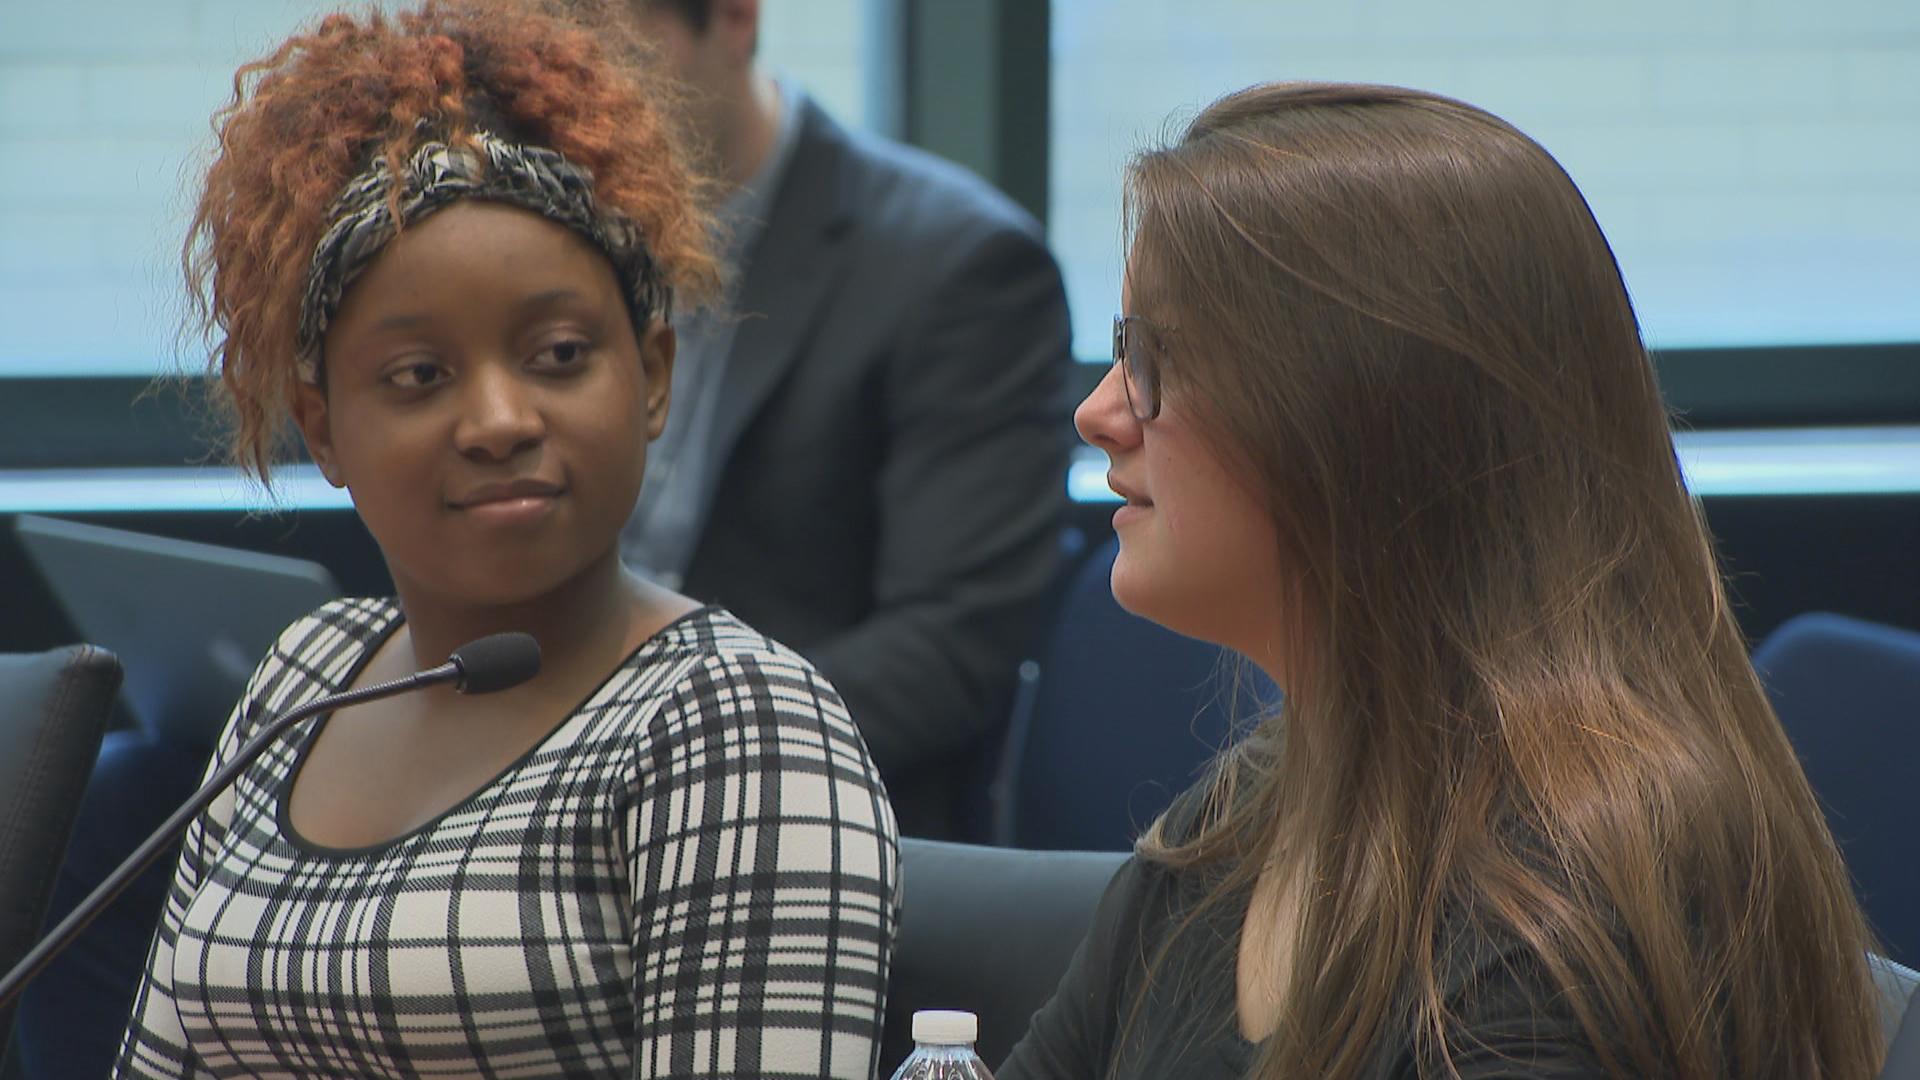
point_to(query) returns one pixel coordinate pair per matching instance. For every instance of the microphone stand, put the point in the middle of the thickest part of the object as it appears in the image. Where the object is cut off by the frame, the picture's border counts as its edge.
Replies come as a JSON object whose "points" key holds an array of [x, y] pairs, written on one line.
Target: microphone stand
{"points": [[89, 909]]}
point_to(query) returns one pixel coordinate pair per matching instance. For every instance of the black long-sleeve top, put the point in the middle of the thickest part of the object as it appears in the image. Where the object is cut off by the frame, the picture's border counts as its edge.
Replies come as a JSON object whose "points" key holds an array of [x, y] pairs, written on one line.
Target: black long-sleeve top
{"points": [[1507, 1023]]}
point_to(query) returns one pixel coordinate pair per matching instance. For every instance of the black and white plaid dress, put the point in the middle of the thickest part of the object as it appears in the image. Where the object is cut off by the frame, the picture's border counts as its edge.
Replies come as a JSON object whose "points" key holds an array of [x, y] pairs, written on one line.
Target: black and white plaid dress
{"points": [[694, 875]]}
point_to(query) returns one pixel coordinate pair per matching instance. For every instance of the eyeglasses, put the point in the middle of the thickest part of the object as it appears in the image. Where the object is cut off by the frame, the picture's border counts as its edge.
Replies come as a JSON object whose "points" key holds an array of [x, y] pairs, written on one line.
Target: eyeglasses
{"points": [[1137, 349]]}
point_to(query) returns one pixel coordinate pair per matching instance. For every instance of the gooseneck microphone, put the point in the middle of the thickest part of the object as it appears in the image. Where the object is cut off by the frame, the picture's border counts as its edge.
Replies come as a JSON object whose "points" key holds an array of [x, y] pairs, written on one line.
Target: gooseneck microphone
{"points": [[489, 664]]}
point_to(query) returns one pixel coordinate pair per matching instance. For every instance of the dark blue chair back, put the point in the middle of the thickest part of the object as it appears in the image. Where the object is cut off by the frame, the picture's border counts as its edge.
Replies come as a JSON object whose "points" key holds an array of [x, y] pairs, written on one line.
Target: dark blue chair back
{"points": [[1116, 718], [1848, 694]]}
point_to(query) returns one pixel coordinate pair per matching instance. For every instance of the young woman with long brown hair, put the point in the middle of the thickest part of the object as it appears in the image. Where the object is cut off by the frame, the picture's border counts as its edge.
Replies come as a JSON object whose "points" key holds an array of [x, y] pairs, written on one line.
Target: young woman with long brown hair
{"points": [[444, 245], [1385, 425]]}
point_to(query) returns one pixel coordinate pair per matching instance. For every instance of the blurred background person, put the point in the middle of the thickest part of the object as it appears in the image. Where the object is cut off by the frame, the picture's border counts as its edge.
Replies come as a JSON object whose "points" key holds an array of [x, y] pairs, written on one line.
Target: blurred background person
{"points": [[867, 454]]}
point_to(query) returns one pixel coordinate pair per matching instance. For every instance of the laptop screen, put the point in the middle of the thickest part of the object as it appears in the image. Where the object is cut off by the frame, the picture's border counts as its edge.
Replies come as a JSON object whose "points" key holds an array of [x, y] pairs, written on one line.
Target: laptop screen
{"points": [[188, 621]]}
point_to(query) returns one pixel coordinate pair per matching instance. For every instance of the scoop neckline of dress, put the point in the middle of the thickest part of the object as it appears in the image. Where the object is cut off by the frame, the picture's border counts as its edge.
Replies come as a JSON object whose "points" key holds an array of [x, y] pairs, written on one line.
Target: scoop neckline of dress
{"points": [[283, 797]]}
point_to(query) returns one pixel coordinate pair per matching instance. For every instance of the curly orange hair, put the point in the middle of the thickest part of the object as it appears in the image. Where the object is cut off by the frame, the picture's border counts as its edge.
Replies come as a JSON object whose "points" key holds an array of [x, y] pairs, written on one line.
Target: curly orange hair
{"points": [[308, 117]]}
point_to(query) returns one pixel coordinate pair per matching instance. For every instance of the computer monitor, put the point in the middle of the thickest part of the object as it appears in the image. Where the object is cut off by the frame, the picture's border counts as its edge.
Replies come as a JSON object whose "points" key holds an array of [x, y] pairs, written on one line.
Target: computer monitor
{"points": [[189, 621]]}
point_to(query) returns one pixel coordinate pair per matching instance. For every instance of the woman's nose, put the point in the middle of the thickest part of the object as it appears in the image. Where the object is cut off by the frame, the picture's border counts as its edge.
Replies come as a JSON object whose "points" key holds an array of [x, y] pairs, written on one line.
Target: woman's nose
{"points": [[499, 415], [1104, 419]]}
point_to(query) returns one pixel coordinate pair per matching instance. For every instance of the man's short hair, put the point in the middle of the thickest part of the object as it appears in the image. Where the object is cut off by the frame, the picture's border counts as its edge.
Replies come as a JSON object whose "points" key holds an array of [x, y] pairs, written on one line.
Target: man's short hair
{"points": [[696, 13]]}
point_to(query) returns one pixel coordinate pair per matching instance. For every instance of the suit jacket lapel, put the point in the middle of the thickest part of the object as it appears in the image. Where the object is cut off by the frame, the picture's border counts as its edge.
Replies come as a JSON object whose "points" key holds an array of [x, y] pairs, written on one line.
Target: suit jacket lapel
{"points": [[787, 279]]}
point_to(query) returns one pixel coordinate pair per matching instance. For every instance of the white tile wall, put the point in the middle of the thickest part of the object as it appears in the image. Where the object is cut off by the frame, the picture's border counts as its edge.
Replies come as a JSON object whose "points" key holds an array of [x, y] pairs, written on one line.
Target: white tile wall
{"points": [[1756, 163], [104, 108]]}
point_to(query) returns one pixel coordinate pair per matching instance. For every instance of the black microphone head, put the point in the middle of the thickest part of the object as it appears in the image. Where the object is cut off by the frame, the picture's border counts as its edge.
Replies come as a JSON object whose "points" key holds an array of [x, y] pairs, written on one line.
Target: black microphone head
{"points": [[496, 662]]}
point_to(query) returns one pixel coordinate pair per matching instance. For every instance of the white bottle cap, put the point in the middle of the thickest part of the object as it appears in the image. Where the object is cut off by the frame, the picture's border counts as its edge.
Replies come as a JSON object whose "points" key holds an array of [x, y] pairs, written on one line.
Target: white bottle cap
{"points": [[945, 1027]]}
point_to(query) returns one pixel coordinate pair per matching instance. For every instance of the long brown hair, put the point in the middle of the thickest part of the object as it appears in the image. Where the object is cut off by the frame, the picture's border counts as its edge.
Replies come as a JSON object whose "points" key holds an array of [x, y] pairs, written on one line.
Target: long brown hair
{"points": [[1526, 697]]}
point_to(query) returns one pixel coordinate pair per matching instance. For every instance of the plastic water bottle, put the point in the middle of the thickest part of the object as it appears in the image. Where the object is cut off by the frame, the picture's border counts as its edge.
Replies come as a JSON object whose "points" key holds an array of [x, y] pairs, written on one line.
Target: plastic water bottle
{"points": [[943, 1048]]}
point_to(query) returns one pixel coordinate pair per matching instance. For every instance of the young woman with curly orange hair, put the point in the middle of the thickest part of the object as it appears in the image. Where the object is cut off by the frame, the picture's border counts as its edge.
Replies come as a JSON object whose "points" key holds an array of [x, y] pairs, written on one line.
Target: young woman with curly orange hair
{"points": [[444, 247]]}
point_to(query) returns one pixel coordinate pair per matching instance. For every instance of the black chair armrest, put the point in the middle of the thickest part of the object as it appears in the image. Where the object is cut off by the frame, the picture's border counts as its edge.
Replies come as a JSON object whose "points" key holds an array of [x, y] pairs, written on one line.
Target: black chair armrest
{"points": [[53, 712]]}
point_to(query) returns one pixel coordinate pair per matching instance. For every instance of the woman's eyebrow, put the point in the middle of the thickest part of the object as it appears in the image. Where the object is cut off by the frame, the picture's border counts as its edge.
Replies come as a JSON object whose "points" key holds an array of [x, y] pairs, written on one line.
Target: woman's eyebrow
{"points": [[399, 321]]}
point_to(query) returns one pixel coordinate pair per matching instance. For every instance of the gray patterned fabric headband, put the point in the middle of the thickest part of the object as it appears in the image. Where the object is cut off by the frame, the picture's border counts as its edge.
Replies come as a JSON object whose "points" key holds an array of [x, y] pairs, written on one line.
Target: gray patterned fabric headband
{"points": [[531, 177]]}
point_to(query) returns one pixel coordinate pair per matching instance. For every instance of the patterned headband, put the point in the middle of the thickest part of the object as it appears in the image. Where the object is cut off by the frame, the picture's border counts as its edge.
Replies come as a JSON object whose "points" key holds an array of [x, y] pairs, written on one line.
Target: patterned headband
{"points": [[531, 177]]}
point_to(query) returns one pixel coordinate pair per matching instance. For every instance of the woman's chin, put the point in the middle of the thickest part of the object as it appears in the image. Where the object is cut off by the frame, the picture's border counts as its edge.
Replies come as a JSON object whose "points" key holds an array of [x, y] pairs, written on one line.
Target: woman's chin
{"points": [[1134, 588]]}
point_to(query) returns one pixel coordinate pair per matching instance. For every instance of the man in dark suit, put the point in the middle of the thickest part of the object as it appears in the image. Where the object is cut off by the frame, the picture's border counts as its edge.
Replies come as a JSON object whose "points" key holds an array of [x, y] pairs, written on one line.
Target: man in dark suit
{"points": [[867, 452]]}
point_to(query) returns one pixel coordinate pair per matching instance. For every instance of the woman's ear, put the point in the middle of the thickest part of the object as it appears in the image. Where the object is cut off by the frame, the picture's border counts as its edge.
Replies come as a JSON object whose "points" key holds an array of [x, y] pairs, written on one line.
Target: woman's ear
{"points": [[656, 364], [316, 429]]}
